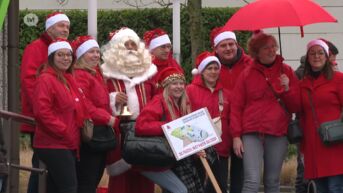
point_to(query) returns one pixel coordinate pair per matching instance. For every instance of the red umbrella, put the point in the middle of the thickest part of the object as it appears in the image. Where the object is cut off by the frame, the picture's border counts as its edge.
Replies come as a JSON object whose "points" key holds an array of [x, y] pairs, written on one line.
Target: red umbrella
{"points": [[276, 13]]}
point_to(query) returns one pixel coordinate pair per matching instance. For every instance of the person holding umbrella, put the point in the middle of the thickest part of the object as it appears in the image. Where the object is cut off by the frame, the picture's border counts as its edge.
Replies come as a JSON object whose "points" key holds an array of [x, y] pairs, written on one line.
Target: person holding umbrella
{"points": [[233, 61], [260, 107], [321, 92]]}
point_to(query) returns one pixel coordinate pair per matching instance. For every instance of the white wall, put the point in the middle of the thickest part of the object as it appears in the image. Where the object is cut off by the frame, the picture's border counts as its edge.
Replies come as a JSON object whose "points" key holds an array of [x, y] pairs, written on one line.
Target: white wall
{"points": [[293, 46]]}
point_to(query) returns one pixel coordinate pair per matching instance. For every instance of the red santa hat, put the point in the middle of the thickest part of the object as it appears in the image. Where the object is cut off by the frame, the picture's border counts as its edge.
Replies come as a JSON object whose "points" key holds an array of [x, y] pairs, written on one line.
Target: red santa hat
{"points": [[169, 75], [218, 34], [124, 32], [204, 59], [82, 44], [57, 45], [55, 17], [318, 42], [155, 38]]}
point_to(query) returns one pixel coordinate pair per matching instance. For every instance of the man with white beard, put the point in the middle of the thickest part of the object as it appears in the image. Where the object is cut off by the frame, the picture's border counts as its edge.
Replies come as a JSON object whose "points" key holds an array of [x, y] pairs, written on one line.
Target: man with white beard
{"points": [[128, 69]]}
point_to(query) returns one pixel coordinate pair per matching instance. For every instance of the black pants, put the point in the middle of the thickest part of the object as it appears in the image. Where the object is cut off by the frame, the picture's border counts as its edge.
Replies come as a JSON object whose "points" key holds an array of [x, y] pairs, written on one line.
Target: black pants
{"points": [[236, 174], [61, 168], [220, 170], [32, 186], [90, 169]]}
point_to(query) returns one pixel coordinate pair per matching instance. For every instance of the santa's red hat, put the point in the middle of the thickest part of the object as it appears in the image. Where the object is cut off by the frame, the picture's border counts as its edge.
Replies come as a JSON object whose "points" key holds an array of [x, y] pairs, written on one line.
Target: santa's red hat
{"points": [[124, 32], [55, 17], [57, 45], [168, 75], [204, 59], [155, 38], [218, 34], [82, 44], [318, 42]]}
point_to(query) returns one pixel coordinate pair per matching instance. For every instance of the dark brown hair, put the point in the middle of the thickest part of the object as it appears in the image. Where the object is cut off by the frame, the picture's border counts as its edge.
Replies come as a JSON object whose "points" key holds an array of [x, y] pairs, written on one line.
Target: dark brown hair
{"points": [[327, 69]]}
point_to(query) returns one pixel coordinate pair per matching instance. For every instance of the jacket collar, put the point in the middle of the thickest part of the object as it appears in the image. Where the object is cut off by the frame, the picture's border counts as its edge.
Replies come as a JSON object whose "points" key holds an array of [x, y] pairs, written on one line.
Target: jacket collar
{"points": [[46, 38], [197, 80]]}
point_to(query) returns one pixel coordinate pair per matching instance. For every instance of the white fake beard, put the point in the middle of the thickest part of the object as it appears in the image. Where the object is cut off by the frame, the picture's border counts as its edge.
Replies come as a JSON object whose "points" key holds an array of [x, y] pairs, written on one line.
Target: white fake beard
{"points": [[128, 62]]}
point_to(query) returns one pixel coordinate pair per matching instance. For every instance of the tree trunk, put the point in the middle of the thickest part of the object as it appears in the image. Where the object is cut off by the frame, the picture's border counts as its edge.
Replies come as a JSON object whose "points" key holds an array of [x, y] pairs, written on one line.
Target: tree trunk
{"points": [[195, 28]]}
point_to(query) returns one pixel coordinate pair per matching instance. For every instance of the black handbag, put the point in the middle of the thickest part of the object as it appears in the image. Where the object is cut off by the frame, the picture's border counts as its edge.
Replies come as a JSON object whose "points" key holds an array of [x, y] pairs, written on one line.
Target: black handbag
{"points": [[103, 139], [330, 132], [294, 133], [145, 151]]}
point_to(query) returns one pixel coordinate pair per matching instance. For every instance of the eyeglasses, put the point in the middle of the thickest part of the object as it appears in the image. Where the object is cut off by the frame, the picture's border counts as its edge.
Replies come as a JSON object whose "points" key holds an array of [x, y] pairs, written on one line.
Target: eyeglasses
{"points": [[320, 53], [63, 55]]}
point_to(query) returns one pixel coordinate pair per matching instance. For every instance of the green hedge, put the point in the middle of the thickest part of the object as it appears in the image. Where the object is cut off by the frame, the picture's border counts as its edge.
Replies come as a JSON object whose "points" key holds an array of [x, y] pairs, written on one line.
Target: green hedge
{"points": [[140, 21]]}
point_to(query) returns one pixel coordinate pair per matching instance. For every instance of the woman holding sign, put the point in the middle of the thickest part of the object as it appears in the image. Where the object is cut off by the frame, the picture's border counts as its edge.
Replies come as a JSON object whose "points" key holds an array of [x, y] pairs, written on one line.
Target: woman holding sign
{"points": [[169, 105], [207, 91]]}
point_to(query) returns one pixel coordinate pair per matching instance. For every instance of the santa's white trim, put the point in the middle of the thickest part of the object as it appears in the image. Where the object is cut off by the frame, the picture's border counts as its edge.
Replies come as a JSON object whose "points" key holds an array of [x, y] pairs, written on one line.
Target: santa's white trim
{"points": [[125, 32], [55, 19], [58, 45], [206, 61], [320, 43], [85, 47], [223, 36], [159, 41]]}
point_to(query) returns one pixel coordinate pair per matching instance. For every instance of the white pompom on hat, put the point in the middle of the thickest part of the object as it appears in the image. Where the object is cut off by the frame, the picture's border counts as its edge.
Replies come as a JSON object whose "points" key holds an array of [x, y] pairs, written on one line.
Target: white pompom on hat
{"points": [[54, 18], [320, 43], [57, 45], [204, 59]]}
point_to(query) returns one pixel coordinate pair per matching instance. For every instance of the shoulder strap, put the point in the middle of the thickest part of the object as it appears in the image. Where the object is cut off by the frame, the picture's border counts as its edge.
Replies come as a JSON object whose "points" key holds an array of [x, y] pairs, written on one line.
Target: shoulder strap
{"points": [[221, 101], [279, 100]]}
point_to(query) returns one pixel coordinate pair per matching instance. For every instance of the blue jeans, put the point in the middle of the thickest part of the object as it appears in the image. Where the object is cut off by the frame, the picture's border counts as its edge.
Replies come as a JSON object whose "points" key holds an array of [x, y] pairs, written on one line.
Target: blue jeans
{"points": [[331, 184], [166, 180], [267, 150]]}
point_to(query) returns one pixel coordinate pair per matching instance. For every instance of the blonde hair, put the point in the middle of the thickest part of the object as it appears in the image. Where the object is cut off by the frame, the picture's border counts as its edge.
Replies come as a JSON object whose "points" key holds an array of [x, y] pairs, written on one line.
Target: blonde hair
{"points": [[81, 63], [183, 103]]}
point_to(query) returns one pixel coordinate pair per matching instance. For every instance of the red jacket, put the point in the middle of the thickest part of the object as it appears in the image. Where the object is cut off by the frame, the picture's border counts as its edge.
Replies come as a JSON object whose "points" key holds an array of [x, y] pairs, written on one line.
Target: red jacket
{"points": [[58, 112], [201, 96], [149, 121], [255, 108], [327, 96], [95, 90], [229, 76], [35, 54]]}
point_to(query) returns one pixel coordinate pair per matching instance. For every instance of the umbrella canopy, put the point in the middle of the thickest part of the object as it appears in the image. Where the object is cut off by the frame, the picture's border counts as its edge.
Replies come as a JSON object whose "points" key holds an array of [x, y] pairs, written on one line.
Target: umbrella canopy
{"points": [[277, 13]]}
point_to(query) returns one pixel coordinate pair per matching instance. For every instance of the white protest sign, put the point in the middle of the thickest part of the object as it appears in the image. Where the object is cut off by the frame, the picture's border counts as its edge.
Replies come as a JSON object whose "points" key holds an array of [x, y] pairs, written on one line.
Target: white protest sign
{"points": [[191, 133]]}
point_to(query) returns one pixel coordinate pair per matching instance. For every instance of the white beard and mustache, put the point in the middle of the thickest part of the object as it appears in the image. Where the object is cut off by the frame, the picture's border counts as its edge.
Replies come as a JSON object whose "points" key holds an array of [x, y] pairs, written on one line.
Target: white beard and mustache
{"points": [[128, 62]]}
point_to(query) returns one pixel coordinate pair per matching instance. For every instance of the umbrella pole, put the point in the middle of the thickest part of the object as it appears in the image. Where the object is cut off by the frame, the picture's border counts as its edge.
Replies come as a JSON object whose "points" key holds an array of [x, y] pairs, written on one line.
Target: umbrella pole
{"points": [[278, 29]]}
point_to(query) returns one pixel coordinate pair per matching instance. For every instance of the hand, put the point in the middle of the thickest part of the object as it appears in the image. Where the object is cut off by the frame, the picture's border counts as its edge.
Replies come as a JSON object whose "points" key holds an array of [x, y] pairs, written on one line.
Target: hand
{"points": [[284, 81], [201, 153], [238, 147], [121, 98]]}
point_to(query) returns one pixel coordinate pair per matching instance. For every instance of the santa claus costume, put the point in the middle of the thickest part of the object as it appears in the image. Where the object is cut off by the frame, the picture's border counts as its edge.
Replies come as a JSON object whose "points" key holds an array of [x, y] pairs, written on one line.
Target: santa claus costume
{"points": [[128, 72]]}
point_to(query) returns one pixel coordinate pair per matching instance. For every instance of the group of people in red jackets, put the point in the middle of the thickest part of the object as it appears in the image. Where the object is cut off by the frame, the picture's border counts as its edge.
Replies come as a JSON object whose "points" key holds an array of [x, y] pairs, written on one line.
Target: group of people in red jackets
{"points": [[65, 83]]}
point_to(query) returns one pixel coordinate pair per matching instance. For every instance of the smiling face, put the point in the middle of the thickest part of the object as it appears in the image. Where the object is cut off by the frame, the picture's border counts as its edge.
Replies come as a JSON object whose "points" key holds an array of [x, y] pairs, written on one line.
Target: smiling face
{"points": [[162, 52], [63, 59], [176, 89], [316, 57], [226, 50], [92, 56], [267, 53], [59, 30], [211, 74]]}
